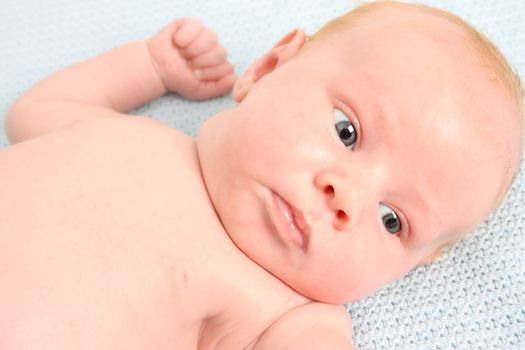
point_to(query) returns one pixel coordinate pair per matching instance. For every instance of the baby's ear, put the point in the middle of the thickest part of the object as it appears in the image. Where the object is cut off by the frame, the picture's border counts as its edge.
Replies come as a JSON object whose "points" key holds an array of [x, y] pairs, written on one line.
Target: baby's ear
{"points": [[283, 51]]}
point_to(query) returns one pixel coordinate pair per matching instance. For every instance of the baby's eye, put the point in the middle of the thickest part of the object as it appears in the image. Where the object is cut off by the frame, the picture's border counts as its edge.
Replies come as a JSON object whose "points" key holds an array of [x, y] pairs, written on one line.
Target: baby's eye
{"points": [[345, 130], [390, 219]]}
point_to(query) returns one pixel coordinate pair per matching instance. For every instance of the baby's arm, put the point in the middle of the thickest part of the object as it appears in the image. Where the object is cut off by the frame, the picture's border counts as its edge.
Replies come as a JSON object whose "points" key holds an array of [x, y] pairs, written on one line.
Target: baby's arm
{"points": [[111, 84]]}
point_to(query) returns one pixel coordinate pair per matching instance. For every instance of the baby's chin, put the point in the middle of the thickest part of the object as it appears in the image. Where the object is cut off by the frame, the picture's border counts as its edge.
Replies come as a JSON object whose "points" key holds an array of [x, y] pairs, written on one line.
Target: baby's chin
{"points": [[340, 292]]}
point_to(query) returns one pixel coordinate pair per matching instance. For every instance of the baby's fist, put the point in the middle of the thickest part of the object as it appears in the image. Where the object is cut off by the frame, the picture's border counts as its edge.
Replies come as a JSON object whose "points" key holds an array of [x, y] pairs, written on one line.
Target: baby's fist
{"points": [[190, 61]]}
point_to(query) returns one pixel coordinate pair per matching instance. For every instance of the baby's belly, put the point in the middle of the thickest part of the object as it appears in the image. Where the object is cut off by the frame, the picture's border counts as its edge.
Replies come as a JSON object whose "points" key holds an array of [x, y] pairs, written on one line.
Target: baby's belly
{"points": [[89, 223]]}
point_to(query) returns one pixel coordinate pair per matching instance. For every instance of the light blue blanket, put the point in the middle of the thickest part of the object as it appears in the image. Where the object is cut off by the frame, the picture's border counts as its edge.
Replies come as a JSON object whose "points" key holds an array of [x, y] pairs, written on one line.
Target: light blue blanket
{"points": [[472, 298]]}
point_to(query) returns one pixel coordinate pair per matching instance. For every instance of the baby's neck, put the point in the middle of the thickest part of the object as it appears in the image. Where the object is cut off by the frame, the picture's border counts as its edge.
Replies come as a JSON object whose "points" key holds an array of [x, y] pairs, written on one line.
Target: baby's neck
{"points": [[248, 307], [244, 301]]}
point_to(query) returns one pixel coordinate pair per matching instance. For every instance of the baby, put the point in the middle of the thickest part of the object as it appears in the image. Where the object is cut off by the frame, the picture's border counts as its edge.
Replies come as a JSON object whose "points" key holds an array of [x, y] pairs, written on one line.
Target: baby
{"points": [[351, 158]]}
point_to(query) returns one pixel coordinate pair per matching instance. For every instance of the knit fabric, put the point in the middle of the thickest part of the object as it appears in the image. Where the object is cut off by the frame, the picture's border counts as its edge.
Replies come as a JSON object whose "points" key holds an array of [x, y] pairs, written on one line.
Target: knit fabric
{"points": [[471, 298]]}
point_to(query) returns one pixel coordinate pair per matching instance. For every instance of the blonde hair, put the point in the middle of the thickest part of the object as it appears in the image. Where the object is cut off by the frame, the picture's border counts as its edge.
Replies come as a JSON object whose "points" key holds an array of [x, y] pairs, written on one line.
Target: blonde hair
{"points": [[487, 51]]}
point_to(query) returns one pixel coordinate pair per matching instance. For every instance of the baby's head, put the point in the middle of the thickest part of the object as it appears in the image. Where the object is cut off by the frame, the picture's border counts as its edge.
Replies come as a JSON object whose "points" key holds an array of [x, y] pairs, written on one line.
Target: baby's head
{"points": [[360, 154]]}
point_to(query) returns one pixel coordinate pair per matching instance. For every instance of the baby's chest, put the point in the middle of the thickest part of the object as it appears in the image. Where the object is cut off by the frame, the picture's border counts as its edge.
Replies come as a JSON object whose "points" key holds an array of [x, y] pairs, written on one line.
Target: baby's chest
{"points": [[95, 240], [84, 188]]}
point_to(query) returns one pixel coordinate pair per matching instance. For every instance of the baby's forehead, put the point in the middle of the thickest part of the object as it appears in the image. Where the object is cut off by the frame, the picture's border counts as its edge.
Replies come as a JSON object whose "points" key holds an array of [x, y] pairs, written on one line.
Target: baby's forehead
{"points": [[412, 19], [399, 30]]}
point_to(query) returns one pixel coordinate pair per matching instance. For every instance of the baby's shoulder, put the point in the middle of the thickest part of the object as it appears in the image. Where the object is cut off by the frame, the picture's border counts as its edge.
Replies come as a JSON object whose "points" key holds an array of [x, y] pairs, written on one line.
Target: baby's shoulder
{"points": [[311, 326], [121, 134]]}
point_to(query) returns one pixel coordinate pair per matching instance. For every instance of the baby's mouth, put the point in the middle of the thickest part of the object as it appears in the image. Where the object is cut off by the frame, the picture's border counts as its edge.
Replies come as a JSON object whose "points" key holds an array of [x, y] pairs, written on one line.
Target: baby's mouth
{"points": [[290, 221]]}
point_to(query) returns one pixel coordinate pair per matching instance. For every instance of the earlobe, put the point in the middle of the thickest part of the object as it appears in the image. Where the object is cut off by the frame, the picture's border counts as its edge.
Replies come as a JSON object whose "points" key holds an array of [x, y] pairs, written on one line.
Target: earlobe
{"points": [[243, 85], [283, 51]]}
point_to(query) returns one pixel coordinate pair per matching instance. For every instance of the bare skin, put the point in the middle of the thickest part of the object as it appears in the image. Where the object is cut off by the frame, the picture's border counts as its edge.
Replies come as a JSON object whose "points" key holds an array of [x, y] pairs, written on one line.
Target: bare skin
{"points": [[127, 233], [116, 255]]}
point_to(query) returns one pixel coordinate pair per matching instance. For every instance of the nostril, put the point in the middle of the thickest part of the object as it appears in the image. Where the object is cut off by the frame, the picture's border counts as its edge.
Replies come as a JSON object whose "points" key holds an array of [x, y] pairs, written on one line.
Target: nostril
{"points": [[342, 215], [329, 190]]}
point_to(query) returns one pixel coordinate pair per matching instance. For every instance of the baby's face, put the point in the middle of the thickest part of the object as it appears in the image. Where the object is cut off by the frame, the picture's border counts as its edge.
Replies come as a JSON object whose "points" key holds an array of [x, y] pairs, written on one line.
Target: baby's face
{"points": [[367, 210]]}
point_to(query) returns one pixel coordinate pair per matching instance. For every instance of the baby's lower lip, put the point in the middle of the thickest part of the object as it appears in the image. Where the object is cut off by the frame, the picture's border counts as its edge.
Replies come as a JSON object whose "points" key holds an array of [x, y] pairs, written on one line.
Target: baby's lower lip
{"points": [[289, 221]]}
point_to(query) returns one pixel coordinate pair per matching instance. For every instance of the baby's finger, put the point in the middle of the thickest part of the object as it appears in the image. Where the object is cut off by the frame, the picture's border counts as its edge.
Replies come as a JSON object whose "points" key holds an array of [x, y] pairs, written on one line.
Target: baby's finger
{"points": [[217, 88], [206, 40], [214, 57], [188, 30], [215, 72]]}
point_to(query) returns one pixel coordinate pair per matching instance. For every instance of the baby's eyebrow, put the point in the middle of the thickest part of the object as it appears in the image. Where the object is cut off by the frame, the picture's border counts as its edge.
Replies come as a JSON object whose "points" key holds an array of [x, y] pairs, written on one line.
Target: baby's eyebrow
{"points": [[384, 120], [422, 208], [418, 198]]}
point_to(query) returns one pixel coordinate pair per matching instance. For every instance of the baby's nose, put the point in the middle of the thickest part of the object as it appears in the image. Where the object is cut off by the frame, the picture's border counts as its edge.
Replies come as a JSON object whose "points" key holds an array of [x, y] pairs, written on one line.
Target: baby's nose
{"points": [[341, 217], [337, 198]]}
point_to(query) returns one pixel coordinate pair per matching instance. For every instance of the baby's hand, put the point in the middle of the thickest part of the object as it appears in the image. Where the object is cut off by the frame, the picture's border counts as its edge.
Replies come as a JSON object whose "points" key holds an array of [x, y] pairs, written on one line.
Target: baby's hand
{"points": [[190, 61]]}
